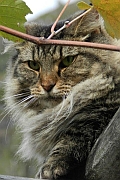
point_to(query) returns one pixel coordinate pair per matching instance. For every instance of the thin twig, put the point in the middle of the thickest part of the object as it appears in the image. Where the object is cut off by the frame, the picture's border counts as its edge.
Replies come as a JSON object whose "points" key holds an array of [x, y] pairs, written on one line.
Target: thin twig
{"points": [[66, 24], [54, 25], [41, 41], [81, 15]]}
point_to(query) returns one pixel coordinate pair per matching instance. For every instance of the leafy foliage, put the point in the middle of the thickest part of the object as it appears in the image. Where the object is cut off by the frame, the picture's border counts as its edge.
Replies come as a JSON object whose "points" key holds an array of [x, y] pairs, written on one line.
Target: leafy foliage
{"points": [[82, 5], [12, 15], [110, 11]]}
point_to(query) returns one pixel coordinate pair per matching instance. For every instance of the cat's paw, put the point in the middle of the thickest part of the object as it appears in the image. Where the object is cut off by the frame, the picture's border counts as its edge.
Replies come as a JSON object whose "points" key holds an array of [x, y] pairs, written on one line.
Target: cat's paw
{"points": [[53, 170]]}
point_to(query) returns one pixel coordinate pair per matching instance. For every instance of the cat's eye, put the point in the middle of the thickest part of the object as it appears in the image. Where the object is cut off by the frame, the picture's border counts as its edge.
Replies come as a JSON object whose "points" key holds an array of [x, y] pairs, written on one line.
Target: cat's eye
{"points": [[67, 61], [34, 65]]}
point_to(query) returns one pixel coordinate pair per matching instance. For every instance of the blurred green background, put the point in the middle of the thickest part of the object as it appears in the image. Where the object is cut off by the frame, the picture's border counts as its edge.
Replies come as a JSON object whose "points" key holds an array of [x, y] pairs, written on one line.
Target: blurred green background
{"points": [[10, 164]]}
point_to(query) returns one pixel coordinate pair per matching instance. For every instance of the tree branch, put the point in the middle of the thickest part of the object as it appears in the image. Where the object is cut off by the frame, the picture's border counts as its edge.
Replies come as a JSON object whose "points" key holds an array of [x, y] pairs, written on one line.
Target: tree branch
{"points": [[42, 41]]}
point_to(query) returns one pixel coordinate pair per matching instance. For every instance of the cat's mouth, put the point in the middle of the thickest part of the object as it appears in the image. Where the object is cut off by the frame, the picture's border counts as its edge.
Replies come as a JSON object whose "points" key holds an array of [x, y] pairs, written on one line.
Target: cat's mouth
{"points": [[42, 102], [36, 100]]}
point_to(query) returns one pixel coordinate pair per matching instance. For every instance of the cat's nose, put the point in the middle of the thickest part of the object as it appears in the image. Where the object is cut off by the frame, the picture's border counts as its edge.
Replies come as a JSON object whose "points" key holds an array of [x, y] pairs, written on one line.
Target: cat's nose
{"points": [[48, 81], [48, 87]]}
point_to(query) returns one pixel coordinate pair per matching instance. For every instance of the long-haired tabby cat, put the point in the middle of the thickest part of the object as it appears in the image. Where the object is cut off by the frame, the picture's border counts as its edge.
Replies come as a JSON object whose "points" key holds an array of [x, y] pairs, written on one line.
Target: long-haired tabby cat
{"points": [[63, 97]]}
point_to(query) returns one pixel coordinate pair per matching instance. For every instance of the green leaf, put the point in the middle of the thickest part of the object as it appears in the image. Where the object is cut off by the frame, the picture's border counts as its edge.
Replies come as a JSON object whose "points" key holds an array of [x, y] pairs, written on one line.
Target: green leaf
{"points": [[110, 11], [82, 5], [12, 15]]}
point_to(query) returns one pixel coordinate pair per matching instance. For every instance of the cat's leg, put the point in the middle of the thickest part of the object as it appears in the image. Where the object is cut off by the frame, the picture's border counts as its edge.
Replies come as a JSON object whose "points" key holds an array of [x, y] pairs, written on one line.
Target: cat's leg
{"points": [[63, 159]]}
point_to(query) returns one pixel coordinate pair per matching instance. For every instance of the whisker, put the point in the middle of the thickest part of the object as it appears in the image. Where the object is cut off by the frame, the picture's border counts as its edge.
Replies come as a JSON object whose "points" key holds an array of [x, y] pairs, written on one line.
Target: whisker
{"points": [[16, 95], [58, 113], [14, 106], [27, 98], [58, 120], [70, 107], [7, 129], [3, 82], [32, 100], [6, 110], [69, 110]]}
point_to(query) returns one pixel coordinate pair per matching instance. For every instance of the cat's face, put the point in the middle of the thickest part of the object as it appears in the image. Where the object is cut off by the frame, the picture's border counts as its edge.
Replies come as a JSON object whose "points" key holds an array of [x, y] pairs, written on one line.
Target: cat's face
{"points": [[46, 75], [43, 76]]}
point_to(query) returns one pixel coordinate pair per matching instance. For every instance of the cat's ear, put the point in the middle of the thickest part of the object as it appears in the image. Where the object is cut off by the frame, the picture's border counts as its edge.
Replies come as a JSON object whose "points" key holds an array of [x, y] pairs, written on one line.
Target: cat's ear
{"points": [[37, 30], [85, 25], [32, 29]]}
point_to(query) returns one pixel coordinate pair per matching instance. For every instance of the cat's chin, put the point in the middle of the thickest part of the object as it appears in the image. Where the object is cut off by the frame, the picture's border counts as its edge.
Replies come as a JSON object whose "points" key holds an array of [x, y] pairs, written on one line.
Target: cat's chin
{"points": [[51, 102], [47, 100], [45, 103]]}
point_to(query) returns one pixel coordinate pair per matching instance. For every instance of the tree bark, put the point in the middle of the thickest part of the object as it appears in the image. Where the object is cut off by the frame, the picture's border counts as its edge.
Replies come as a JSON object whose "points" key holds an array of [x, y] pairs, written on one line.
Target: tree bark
{"points": [[104, 160]]}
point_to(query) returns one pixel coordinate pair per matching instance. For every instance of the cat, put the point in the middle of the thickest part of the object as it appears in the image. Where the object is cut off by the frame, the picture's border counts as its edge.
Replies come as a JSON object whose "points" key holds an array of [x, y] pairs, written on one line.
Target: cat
{"points": [[62, 97]]}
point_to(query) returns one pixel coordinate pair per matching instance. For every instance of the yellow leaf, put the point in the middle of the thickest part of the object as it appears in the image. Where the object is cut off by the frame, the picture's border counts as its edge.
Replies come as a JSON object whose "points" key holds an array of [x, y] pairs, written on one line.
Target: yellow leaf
{"points": [[82, 5], [110, 11]]}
